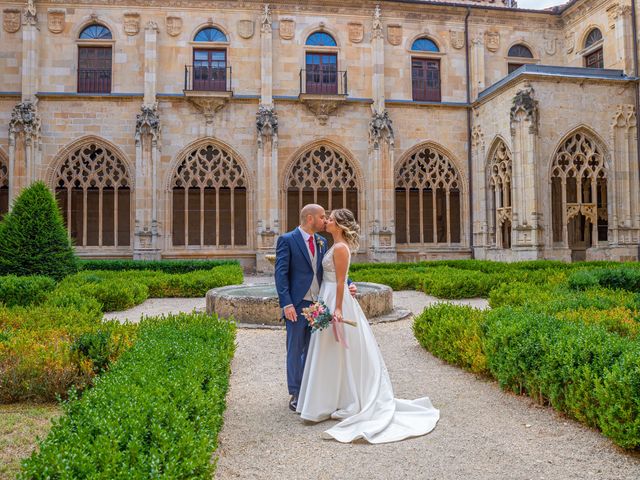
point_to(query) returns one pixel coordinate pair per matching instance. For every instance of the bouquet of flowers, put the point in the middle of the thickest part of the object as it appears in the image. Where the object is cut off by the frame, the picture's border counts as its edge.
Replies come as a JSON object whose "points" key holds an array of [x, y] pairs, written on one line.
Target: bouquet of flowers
{"points": [[320, 317]]}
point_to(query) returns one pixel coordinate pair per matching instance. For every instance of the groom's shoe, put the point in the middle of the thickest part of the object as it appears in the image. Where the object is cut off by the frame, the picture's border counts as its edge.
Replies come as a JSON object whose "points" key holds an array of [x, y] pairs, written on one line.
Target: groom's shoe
{"points": [[293, 403]]}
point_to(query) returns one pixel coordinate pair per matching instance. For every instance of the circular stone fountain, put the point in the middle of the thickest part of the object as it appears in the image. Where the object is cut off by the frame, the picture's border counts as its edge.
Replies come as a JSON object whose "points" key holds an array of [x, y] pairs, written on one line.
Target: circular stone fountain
{"points": [[258, 304]]}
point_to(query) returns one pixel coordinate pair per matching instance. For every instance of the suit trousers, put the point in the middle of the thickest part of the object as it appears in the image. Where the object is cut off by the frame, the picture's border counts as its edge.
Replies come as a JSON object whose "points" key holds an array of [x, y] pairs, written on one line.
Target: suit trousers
{"points": [[298, 338]]}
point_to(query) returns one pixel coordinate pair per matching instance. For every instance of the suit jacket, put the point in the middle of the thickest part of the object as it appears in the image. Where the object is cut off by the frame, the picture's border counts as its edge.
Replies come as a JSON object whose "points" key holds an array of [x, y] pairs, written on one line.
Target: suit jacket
{"points": [[294, 272]]}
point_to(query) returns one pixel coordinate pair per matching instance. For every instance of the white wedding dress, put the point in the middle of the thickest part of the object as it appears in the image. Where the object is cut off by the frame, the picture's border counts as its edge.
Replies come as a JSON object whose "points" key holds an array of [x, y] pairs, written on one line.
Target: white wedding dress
{"points": [[352, 384]]}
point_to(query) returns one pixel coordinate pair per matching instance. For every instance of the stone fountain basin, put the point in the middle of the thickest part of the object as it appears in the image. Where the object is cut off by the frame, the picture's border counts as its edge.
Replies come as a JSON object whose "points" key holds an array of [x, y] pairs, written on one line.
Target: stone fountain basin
{"points": [[258, 304]]}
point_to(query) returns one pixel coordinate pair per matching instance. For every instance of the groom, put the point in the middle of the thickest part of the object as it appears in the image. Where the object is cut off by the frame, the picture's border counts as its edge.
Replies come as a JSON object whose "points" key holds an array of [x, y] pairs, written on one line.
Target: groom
{"points": [[298, 273]]}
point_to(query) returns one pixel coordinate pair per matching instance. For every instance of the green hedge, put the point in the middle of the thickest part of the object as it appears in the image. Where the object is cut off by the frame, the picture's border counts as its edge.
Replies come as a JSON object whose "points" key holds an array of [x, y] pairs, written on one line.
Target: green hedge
{"points": [[25, 291], [166, 266], [170, 387]]}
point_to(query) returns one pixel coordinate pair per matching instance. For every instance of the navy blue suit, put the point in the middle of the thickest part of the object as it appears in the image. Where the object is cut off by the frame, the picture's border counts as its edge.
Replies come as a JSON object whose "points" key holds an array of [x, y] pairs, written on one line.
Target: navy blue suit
{"points": [[294, 275]]}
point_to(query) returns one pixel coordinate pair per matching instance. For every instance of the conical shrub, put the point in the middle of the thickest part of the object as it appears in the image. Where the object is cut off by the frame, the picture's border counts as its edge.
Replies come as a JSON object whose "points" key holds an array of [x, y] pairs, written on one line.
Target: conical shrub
{"points": [[33, 238]]}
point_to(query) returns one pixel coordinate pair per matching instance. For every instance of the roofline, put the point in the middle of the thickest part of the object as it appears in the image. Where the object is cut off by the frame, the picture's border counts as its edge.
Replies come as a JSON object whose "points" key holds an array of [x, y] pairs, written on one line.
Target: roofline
{"points": [[557, 10], [552, 71]]}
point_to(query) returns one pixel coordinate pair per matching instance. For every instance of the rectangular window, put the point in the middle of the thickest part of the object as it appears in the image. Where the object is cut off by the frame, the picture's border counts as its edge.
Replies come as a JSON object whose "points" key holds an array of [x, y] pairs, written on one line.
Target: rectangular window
{"points": [[94, 70], [425, 77], [210, 70], [595, 59], [321, 74], [514, 66]]}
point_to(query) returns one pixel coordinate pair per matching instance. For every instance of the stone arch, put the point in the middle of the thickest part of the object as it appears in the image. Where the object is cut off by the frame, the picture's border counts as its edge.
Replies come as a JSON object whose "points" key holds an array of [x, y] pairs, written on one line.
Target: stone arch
{"points": [[439, 43], [93, 184], [203, 25], [321, 27], [521, 41], [429, 198], [499, 186], [578, 176], [213, 176], [96, 19], [322, 172], [585, 33], [4, 184]]}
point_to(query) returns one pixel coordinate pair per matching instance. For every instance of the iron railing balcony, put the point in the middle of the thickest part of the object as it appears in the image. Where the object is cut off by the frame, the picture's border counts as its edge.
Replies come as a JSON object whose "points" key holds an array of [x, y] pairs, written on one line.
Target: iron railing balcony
{"points": [[207, 78], [92, 80], [323, 80]]}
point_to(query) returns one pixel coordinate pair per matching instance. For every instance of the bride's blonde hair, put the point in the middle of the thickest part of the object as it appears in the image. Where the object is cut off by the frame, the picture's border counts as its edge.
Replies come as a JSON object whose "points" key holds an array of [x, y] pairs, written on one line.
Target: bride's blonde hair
{"points": [[346, 221]]}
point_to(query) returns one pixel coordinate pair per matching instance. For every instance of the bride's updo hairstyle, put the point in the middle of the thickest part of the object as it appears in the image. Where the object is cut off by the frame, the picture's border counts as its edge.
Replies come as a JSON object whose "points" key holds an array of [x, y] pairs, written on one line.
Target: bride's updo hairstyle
{"points": [[350, 229]]}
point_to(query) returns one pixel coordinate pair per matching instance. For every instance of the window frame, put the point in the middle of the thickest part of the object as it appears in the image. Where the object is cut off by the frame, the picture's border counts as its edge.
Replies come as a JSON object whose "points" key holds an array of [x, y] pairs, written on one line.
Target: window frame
{"points": [[94, 43], [413, 90]]}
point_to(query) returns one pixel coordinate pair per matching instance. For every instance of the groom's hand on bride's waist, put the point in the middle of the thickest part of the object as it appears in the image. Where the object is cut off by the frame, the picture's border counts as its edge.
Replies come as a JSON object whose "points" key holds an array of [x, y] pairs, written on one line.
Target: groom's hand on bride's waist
{"points": [[290, 313]]}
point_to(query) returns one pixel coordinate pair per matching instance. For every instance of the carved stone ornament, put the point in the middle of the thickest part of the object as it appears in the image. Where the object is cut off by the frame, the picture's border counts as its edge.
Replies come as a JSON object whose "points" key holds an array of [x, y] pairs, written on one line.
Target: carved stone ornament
{"points": [[287, 28], [246, 28], [322, 107], [380, 127], [131, 23], [56, 20], [570, 41], [174, 25], [24, 118], [208, 106], [457, 39], [151, 25], [524, 103], [266, 19], [394, 34], [492, 40], [624, 117], [376, 30], [550, 43], [266, 122], [356, 32], [148, 122], [11, 20]]}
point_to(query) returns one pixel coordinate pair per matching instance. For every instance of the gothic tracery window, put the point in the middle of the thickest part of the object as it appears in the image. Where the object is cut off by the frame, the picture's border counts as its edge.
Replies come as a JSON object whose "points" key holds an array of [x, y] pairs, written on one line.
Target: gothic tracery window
{"points": [[4, 187], [321, 175], [428, 199], [579, 193], [500, 195], [93, 190], [209, 192]]}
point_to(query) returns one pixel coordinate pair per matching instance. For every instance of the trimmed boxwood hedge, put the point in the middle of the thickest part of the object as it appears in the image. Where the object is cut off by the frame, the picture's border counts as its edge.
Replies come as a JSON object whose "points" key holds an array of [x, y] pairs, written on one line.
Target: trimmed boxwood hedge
{"points": [[166, 266], [155, 414]]}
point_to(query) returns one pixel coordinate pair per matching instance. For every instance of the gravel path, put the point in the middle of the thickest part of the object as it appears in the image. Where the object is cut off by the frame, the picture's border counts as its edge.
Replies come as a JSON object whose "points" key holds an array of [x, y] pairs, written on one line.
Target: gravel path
{"points": [[484, 433]]}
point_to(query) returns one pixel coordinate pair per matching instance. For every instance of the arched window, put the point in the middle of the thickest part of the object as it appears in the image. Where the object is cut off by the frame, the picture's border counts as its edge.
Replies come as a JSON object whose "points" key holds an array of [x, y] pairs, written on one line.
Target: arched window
{"points": [[500, 195], [595, 58], [209, 192], [521, 51], [516, 52], [321, 39], [4, 187], [95, 60], [579, 194], [210, 34], [324, 176], [428, 199], [425, 72], [209, 72], [96, 32], [93, 190], [424, 45]]}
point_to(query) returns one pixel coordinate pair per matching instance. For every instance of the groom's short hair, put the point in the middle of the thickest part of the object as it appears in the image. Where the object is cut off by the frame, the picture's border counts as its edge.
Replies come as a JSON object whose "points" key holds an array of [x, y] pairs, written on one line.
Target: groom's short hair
{"points": [[310, 209]]}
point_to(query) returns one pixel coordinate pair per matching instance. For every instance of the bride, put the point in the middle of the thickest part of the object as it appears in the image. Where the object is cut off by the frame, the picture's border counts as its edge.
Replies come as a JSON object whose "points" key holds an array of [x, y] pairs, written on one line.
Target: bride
{"points": [[348, 380]]}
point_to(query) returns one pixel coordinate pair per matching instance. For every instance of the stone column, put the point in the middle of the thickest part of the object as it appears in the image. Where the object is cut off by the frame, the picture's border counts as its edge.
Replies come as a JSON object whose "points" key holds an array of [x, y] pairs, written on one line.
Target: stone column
{"points": [[622, 181], [526, 234], [25, 148], [481, 206], [380, 182], [148, 129], [477, 66], [266, 188], [30, 53], [620, 20]]}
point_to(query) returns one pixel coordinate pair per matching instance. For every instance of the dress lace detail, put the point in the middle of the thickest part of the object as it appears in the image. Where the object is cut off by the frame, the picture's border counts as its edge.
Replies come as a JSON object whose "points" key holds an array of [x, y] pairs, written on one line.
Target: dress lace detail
{"points": [[329, 267]]}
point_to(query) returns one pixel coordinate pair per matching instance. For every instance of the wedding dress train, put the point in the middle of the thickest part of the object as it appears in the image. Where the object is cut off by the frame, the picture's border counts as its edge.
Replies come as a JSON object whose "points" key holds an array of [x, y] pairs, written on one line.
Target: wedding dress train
{"points": [[352, 384]]}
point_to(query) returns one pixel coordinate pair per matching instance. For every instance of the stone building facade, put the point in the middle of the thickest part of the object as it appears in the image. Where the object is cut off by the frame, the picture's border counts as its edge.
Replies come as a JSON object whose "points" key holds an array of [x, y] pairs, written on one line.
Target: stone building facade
{"points": [[453, 129]]}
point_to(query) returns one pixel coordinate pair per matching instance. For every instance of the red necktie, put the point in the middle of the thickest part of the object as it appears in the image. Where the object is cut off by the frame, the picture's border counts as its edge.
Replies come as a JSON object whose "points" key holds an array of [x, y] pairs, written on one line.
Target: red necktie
{"points": [[312, 246]]}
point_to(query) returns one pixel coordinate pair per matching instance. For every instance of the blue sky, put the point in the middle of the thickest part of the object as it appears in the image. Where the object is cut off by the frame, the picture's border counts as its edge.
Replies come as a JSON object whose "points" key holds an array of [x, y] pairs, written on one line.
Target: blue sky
{"points": [[539, 4]]}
